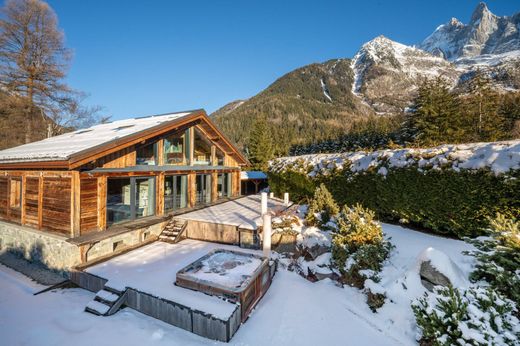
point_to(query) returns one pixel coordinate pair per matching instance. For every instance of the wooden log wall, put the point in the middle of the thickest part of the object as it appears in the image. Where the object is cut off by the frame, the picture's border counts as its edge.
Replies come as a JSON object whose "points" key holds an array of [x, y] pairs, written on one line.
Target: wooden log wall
{"points": [[88, 205], [32, 187], [4, 197], [56, 204]]}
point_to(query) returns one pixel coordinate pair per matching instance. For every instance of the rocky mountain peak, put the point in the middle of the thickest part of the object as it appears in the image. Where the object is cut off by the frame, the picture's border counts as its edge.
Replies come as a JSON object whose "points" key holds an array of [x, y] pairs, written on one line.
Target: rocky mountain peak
{"points": [[486, 33], [480, 12]]}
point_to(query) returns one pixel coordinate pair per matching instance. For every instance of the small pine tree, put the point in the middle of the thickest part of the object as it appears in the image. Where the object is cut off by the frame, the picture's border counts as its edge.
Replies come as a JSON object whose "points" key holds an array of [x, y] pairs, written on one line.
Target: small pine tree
{"points": [[322, 207], [260, 146], [498, 258]]}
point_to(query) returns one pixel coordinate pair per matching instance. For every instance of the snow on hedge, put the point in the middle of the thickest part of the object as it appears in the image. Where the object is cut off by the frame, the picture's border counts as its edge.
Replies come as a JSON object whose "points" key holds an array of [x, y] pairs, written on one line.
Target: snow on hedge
{"points": [[498, 157]]}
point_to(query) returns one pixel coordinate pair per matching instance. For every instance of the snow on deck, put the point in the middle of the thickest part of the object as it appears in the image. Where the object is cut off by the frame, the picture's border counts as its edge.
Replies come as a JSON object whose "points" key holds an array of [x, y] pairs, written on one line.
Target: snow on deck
{"points": [[152, 269], [64, 146], [243, 212]]}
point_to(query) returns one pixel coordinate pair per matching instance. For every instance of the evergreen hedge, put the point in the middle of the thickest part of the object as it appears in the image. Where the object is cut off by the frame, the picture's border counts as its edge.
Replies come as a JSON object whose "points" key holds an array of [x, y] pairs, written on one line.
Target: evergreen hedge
{"points": [[441, 201]]}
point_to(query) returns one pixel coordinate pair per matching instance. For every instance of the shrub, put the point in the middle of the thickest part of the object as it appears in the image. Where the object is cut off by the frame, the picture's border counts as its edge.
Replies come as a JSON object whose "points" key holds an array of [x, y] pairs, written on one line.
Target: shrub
{"points": [[322, 207], [443, 201], [498, 257], [358, 246], [476, 316]]}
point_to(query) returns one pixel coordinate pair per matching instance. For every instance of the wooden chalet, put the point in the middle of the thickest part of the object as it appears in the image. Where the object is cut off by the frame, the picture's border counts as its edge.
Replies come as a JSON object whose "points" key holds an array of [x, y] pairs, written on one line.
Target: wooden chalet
{"points": [[92, 180]]}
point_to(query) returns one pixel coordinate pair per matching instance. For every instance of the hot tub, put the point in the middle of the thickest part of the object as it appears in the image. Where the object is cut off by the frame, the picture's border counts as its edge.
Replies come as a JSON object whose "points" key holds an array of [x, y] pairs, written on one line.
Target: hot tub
{"points": [[236, 276]]}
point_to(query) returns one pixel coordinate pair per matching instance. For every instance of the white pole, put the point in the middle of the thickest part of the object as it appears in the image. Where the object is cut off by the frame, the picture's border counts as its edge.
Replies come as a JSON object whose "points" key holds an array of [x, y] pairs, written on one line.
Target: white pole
{"points": [[286, 198], [264, 203], [267, 235], [271, 194]]}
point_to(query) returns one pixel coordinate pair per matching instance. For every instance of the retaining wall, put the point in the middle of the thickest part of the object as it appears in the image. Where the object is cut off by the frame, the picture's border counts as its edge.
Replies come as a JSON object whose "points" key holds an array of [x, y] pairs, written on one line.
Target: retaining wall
{"points": [[52, 250]]}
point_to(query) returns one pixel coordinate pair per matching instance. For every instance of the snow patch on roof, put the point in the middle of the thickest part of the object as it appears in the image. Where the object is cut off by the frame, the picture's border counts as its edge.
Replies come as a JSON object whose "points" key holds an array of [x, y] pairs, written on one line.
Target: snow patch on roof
{"points": [[64, 146]]}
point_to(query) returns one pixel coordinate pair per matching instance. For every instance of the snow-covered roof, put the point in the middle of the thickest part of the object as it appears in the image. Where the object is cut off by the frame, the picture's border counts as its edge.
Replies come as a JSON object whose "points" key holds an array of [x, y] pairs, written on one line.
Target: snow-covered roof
{"points": [[64, 146], [247, 175]]}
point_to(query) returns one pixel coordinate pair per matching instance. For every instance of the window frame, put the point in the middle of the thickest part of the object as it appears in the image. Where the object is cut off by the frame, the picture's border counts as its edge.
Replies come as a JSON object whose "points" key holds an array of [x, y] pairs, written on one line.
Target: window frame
{"points": [[155, 152], [133, 198]]}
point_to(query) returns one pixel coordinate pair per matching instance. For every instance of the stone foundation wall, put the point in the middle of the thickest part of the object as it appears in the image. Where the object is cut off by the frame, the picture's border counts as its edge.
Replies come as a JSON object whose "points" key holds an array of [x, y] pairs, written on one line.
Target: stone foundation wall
{"points": [[120, 242], [49, 249]]}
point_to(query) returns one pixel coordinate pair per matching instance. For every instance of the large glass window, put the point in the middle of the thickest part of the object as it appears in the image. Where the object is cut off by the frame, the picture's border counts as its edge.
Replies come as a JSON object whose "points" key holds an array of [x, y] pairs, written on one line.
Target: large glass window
{"points": [[219, 157], [201, 150], [129, 198], [145, 155], [224, 185], [203, 189], [175, 192], [144, 197], [175, 152]]}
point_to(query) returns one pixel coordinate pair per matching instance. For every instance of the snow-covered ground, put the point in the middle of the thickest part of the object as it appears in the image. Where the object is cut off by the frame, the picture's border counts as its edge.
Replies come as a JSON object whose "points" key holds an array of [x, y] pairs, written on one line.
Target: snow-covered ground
{"points": [[293, 311]]}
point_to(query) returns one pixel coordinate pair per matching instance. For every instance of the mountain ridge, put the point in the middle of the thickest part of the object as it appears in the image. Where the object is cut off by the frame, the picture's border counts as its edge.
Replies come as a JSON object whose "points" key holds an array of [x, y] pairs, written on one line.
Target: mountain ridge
{"points": [[381, 79]]}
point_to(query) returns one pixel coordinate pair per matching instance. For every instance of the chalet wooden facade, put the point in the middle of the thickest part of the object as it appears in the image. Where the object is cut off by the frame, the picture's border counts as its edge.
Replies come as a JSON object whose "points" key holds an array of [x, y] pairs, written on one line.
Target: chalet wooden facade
{"points": [[93, 179]]}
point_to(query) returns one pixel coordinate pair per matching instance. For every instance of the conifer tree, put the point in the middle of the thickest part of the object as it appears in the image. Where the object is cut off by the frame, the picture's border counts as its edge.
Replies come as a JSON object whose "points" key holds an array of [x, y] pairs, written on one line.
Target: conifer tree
{"points": [[260, 147], [435, 118], [482, 109]]}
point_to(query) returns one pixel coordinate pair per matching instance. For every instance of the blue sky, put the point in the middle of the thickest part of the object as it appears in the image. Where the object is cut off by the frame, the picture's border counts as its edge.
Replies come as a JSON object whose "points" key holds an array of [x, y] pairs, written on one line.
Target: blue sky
{"points": [[138, 58]]}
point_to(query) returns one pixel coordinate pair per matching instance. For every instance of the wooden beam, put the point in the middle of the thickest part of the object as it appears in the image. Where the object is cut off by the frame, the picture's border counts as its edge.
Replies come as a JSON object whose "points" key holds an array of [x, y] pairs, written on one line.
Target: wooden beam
{"points": [[75, 214], [160, 152], [40, 201], [159, 205], [214, 191], [22, 201], [62, 164], [102, 203], [191, 189]]}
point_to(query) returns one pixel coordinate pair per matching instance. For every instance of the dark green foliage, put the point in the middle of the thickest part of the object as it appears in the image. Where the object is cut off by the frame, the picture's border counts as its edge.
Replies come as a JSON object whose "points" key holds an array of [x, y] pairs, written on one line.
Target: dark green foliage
{"points": [[498, 258], [482, 110], [301, 188], [444, 202], [436, 116], [322, 204], [260, 148], [455, 317]]}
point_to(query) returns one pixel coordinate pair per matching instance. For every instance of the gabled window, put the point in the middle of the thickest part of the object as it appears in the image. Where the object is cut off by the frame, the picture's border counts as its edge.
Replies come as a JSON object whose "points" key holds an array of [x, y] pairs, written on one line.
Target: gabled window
{"points": [[219, 157], [201, 150], [175, 149], [146, 154]]}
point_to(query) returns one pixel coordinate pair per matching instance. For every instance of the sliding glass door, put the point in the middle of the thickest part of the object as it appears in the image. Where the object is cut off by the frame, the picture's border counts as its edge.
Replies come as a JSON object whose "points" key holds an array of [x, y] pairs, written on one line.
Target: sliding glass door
{"points": [[224, 185], [203, 189], [129, 198], [175, 192]]}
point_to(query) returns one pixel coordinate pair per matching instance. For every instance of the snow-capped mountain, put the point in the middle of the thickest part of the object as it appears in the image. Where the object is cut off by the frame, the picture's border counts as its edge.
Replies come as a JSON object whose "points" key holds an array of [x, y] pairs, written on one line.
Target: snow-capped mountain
{"points": [[486, 33], [324, 99], [386, 72]]}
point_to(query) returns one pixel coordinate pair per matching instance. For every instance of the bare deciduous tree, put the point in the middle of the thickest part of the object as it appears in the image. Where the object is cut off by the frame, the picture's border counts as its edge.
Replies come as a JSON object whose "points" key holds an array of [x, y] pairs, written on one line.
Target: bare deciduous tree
{"points": [[33, 64]]}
